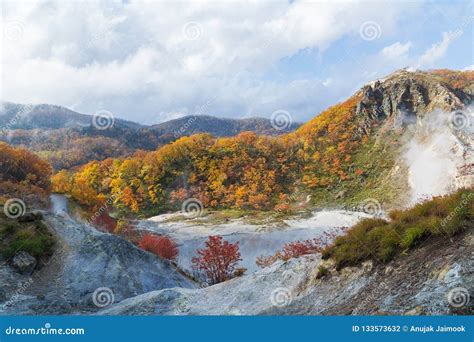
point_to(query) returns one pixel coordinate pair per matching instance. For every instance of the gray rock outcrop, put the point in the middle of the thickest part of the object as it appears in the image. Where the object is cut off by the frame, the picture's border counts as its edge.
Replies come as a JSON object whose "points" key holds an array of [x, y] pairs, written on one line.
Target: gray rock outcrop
{"points": [[24, 262], [88, 265]]}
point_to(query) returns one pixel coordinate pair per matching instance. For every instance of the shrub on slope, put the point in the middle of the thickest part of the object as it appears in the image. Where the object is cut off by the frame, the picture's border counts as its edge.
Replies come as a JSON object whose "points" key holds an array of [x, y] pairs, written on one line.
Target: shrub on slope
{"points": [[380, 240]]}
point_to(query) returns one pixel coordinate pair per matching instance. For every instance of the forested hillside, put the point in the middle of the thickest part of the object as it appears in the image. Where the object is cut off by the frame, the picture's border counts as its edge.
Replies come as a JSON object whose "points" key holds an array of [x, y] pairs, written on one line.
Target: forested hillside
{"points": [[23, 175], [347, 149], [68, 139]]}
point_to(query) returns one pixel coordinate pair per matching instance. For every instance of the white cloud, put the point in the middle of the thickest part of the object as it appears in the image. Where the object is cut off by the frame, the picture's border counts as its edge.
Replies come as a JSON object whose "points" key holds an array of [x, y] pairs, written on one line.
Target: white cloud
{"points": [[437, 50], [135, 60], [396, 50]]}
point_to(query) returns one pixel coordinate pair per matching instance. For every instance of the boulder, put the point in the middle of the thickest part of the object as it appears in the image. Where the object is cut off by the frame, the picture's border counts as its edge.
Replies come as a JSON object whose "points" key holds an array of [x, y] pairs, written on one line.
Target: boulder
{"points": [[31, 217], [23, 262]]}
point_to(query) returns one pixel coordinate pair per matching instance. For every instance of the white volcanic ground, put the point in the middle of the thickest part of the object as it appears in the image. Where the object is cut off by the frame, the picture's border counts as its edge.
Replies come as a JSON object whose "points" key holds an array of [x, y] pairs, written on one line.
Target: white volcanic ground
{"points": [[254, 240]]}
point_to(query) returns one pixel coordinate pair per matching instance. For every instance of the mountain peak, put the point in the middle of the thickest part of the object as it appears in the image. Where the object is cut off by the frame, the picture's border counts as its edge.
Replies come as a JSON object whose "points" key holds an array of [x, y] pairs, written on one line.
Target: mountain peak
{"points": [[415, 93]]}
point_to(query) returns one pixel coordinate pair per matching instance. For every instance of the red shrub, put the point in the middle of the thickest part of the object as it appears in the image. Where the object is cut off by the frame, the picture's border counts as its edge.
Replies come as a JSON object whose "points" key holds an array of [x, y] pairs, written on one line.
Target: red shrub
{"points": [[162, 246], [298, 248], [218, 260], [265, 261]]}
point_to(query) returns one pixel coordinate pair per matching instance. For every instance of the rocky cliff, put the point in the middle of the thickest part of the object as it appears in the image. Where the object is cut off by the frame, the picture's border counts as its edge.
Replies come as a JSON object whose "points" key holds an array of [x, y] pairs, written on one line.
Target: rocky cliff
{"points": [[89, 269], [421, 126]]}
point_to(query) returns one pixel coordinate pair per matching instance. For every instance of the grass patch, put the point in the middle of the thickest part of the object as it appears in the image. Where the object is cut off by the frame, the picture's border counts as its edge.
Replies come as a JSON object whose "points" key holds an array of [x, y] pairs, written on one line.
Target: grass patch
{"points": [[252, 217], [322, 271], [31, 237], [381, 241], [376, 158]]}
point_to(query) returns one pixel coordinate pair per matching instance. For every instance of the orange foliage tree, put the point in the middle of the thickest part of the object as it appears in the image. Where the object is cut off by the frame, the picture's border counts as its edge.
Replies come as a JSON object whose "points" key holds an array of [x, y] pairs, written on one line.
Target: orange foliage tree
{"points": [[22, 174], [246, 171]]}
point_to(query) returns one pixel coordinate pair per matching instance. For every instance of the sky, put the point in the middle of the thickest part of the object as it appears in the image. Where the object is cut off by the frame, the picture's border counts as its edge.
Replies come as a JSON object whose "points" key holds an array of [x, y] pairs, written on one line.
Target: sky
{"points": [[154, 61]]}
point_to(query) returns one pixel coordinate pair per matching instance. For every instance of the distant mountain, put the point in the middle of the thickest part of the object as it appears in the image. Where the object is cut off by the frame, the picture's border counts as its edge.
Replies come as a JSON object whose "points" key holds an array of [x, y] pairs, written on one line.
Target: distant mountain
{"points": [[220, 127], [67, 138], [46, 116], [151, 137]]}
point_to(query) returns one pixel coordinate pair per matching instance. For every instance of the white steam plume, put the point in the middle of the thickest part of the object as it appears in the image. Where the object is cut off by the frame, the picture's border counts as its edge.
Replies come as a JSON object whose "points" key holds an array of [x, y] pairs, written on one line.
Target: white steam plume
{"points": [[440, 155]]}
